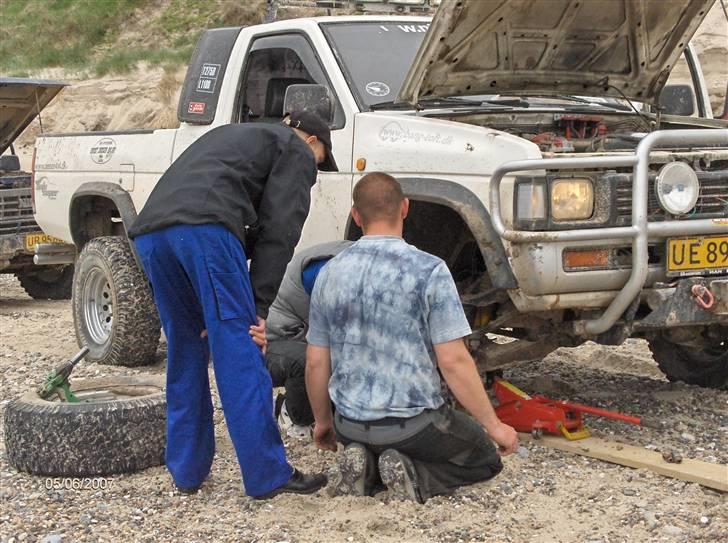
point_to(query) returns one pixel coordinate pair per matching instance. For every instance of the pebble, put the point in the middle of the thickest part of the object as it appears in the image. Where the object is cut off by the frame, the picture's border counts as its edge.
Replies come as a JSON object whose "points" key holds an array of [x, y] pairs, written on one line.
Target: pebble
{"points": [[522, 452], [52, 538], [704, 520], [650, 520], [629, 492], [685, 436], [669, 529]]}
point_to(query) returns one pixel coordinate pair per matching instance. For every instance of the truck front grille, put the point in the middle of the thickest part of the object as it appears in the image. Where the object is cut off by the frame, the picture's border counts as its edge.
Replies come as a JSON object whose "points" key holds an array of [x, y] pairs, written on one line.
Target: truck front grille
{"points": [[16, 212], [712, 199]]}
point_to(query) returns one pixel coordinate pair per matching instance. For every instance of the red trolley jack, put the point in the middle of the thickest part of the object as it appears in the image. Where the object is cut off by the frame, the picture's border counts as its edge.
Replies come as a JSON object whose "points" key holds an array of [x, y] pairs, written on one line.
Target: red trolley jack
{"points": [[538, 414]]}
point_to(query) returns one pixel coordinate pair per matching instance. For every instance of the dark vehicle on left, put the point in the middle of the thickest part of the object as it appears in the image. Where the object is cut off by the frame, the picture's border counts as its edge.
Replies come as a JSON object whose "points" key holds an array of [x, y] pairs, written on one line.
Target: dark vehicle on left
{"points": [[49, 273]]}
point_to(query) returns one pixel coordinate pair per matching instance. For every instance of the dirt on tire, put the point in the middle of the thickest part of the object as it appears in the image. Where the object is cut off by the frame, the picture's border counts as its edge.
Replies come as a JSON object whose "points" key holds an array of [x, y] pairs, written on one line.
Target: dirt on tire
{"points": [[48, 284], [678, 363], [58, 438], [135, 327]]}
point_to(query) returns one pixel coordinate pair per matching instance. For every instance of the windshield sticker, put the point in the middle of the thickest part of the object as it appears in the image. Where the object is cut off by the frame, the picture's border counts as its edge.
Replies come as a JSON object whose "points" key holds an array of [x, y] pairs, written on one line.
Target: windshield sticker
{"points": [[377, 88], [103, 150], [393, 132], [408, 29], [208, 78]]}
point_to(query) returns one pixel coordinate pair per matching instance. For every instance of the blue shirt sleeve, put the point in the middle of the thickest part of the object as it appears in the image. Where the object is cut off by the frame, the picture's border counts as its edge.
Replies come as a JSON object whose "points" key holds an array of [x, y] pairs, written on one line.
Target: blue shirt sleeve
{"points": [[310, 273], [318, 324], [446, 318]]}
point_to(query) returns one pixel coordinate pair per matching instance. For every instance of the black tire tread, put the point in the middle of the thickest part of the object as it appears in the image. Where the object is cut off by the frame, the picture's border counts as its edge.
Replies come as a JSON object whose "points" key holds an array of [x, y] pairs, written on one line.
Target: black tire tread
{"points": [[59, 439], [678, 365], [136, 327], [38, 289]]}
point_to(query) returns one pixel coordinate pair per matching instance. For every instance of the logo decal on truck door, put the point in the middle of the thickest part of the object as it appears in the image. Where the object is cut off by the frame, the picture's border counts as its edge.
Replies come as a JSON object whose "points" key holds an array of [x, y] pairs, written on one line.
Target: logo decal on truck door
{"points": [[103, 150]]}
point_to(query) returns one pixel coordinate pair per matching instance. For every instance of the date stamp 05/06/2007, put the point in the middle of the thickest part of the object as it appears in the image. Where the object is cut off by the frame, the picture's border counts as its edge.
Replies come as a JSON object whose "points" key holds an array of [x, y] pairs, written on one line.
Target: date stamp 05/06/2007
{"points": [[77, 483]]}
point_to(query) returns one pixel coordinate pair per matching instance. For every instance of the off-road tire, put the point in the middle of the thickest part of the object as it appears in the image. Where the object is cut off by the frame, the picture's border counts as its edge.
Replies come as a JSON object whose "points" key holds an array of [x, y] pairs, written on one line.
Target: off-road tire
{"points": [[61, 439], [708, 368], [134, 328], [52, 283]]}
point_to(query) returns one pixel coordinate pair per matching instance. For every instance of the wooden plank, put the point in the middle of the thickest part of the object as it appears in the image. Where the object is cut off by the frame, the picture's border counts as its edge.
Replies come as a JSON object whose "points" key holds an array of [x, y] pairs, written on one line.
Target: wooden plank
{"points": [[695, 471]]}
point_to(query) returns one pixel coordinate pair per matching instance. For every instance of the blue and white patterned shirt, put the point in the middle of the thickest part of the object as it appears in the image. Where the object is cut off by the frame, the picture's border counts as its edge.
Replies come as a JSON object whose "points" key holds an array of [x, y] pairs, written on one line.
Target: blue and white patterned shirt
{"points": [[380, 305]]}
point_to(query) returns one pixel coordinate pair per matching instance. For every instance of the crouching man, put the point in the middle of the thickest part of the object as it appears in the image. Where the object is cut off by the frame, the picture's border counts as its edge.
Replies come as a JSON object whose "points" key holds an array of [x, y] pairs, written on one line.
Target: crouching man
{"points": [[384, 317], [285, 332]]}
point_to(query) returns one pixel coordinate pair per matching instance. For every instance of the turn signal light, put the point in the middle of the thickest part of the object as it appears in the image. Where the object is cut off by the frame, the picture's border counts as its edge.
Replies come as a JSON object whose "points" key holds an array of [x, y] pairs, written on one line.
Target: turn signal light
{"points": [[586, 259]]}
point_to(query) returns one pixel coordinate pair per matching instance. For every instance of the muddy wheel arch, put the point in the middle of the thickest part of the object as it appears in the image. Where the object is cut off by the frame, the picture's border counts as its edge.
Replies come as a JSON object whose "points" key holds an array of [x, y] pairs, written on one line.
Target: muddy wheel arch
{"points": [[455, 207], [99, 209]]}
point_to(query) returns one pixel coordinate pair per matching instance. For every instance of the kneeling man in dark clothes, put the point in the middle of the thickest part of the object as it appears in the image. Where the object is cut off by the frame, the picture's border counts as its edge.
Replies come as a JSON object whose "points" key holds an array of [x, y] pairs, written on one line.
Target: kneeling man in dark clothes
{"points": [[384, 317]]}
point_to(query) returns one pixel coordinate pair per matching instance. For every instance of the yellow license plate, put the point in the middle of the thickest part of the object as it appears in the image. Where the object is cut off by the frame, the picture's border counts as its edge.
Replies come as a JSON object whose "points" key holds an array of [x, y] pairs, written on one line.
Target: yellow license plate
{"points": [[31, 240], [691, 256]]}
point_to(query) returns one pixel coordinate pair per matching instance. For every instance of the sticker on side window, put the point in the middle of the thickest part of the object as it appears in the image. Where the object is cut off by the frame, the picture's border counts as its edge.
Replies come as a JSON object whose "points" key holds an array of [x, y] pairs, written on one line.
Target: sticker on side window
{"points": [[196, 107], [208, 77]]}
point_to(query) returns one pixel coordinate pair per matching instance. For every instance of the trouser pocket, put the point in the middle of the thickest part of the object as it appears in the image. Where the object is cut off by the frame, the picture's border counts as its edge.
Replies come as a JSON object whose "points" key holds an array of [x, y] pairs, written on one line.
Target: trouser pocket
{"points": [[228, 287]]}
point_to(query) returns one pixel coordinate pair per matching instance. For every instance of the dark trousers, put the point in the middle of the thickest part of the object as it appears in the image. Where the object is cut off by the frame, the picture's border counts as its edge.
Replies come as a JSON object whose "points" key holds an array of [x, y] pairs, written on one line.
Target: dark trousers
{"points": [[286, 361], [448, 448], [199, 275]]}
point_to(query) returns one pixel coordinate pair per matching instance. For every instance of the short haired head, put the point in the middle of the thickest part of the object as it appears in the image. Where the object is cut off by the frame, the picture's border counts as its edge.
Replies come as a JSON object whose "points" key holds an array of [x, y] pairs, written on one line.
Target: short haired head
{"points": [[378, 197]]}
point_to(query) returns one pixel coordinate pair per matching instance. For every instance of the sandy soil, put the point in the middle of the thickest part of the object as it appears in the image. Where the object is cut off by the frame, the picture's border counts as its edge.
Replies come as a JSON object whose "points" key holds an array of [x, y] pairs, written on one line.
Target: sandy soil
{"points": [[542, 495]]}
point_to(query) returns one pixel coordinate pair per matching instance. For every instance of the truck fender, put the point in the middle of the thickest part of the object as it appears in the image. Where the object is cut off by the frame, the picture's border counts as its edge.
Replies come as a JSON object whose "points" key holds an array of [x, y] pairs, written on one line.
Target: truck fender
{"points": [[473, 213], [113, 193]]}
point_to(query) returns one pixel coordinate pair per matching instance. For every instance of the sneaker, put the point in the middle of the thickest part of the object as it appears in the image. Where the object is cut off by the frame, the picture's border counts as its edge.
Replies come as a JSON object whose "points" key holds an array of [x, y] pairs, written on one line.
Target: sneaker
{"points": [[287, 426], [357, 469], [398, 473]]}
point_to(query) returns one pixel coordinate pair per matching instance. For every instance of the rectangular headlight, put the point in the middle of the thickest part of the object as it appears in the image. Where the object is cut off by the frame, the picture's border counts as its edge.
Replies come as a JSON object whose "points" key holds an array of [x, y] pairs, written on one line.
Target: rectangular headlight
{"points": [[572, 199], [530, 201]]}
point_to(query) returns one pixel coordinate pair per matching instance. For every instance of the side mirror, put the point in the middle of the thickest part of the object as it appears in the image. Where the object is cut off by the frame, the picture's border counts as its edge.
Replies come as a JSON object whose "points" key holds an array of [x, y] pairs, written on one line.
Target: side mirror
{"points": [[678, 100], [313, 98]]}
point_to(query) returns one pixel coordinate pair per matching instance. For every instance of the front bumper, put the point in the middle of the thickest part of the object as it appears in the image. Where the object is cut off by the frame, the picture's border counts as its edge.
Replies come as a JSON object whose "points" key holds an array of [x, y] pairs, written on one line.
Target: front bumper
{"points": [[639, 233]]}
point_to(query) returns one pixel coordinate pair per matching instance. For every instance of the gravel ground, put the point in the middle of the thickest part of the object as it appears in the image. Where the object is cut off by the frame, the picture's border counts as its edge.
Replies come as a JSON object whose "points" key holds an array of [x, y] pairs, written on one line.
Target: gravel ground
{"points": [[542, 494]]}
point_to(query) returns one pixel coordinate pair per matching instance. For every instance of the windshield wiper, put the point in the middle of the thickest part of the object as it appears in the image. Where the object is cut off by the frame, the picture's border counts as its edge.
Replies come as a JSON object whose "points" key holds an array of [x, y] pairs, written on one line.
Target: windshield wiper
{"points": [[425, 103]]}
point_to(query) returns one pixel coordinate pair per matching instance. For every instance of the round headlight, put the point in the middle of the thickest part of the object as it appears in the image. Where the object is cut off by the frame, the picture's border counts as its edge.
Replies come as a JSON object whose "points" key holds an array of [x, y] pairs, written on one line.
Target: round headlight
{"points": [[677, 188]]}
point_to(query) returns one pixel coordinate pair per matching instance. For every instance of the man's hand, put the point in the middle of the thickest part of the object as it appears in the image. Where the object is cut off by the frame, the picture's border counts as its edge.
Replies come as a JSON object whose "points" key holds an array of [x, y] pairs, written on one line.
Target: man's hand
{"points": [[506, 438], [324, 437], [257, 332]]}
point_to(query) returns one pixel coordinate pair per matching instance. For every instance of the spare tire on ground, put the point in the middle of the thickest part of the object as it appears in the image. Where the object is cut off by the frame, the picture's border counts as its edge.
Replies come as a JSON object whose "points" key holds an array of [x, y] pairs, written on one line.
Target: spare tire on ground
{"points": [[119, 428]]}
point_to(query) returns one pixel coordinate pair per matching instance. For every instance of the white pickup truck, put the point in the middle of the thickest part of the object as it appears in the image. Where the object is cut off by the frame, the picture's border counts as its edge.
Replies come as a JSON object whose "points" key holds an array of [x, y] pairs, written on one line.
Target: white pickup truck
{"points": [[574, 194]]}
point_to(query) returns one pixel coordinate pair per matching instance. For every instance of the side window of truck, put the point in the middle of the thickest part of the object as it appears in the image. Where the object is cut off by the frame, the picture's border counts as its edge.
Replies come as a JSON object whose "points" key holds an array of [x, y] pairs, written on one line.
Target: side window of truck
{"points": [[273, 64]]}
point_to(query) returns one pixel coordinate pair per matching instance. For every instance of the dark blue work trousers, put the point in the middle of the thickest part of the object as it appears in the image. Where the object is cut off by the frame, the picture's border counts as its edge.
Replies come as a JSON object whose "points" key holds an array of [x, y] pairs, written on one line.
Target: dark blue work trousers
{"points": [[199, 276]]}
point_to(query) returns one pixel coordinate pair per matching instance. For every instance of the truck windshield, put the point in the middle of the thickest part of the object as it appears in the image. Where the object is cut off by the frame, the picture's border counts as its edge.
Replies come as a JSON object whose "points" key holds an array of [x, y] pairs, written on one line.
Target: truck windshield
{"points": [[375, 56]]}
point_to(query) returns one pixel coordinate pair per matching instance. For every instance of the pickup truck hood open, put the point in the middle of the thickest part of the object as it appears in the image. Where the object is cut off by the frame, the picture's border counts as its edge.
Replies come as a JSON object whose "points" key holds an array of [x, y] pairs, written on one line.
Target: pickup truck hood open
{"points": [[20, 101], [576, 47]]}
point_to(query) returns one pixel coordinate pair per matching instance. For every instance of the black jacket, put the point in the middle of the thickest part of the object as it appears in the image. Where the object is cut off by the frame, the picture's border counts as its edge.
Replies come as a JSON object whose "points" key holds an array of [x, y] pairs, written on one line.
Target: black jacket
{"points": [[240, 175]]}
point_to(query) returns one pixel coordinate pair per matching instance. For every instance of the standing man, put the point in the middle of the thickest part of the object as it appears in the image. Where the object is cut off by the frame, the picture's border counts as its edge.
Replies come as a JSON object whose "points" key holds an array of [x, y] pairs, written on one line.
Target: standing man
{"points": [[384, 317], [194, 239], [285, 331]]}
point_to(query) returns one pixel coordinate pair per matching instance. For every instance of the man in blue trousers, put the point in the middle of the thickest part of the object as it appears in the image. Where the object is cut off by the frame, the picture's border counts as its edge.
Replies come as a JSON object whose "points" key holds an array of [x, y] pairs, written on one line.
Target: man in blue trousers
{"points": [[240, 192]]}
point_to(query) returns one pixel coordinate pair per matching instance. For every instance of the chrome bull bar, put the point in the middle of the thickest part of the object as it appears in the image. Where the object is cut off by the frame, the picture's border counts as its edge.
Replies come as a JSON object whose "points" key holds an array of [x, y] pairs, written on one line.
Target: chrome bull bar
{"points": [[639, 232]]}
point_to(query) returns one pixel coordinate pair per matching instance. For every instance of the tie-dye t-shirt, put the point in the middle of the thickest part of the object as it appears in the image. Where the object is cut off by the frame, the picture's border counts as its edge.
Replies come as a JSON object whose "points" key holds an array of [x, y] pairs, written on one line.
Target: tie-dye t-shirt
{"points": [[380, 305]]}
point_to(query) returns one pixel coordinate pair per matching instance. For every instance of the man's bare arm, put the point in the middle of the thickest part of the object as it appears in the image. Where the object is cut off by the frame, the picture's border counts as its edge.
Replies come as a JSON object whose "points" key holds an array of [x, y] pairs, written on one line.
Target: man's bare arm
{"points": [[461, 375], [318, 373]]}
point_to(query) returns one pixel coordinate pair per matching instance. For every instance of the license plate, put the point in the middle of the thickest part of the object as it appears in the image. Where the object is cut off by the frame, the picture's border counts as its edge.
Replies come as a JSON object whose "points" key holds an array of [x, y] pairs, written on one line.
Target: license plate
{"points": [[700, 255], [31, 240]]}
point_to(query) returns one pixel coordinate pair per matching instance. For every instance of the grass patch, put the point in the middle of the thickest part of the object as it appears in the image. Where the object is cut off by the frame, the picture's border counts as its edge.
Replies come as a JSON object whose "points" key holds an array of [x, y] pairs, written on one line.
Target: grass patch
{"points": [[93, 36], [36, 34], [125, 60]]}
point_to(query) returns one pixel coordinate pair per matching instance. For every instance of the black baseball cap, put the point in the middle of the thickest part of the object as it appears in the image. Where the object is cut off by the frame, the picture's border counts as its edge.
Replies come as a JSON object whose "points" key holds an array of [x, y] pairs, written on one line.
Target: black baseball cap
{"points": [[314, 125]]}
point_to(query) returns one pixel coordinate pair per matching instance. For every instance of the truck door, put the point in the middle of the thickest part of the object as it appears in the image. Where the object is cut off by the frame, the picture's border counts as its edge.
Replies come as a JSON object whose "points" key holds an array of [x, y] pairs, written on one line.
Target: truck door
{"points": [[273, 63]]}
